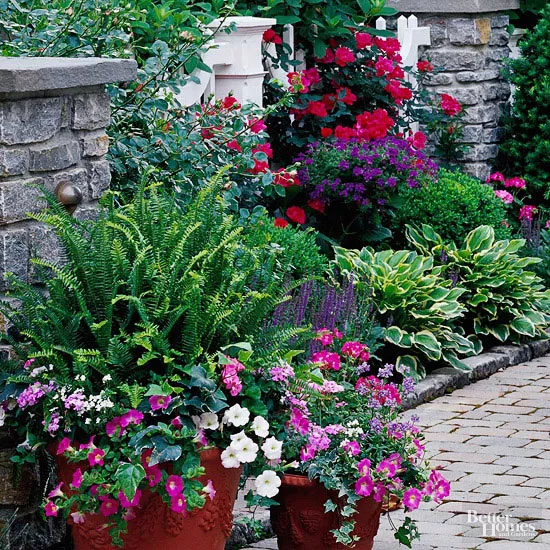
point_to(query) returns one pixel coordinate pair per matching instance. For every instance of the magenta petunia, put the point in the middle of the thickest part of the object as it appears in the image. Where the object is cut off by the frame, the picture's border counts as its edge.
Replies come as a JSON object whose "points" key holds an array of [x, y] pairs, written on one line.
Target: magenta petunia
{"points": [[109, 507], [159, 402], [387, 468], [63, 446], [174, 485], [364, 466], [77, 478], [154, 476], [95, 457], [125, 503], [178, 504], [56, 492], [133, 416], [412, 499], [50, 509], [364, 486]]}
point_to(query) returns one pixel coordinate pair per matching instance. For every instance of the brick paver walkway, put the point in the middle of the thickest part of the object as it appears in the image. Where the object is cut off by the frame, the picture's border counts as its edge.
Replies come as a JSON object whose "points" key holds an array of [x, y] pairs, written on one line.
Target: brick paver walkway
{"points": [[492, 439]]}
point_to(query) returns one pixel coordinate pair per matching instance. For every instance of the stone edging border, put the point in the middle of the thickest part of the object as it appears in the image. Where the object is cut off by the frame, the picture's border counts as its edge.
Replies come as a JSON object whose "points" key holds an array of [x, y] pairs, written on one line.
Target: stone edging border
{"points": [[436, 384], [446, 379]]}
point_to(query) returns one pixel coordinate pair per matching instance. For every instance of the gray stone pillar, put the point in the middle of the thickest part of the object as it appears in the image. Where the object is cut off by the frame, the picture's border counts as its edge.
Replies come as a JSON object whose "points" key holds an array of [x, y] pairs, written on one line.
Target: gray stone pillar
{"points": [[53, 115], [471, 43]]}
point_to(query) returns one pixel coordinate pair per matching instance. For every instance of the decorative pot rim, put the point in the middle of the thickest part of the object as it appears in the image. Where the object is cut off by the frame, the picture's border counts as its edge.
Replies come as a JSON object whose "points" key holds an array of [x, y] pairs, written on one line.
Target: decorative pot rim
{"points": [[297, 480]]}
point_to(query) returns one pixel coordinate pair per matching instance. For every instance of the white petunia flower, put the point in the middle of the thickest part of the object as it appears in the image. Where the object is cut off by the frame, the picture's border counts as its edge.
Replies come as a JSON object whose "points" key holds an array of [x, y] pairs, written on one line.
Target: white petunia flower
{"points": [[267, 484], [237, 438], [2, 416], [260, 426], [237, 415], [246, 450], [272, 448], [209, 421], [229, 458]]}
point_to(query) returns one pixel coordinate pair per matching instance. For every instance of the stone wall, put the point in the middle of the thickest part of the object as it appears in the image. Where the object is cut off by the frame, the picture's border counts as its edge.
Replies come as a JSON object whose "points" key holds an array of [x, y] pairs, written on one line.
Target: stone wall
{"points": [[53, 116], [471, 42]]}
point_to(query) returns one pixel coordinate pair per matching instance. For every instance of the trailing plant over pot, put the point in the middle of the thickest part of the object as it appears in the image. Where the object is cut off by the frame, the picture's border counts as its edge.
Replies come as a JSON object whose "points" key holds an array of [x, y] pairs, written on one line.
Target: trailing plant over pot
{"points": [[419, 307], [343, 432], [503, 299]]}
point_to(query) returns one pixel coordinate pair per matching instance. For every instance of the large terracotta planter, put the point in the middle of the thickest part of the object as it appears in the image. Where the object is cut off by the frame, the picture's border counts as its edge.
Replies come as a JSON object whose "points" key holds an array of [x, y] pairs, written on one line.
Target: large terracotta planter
{"points": [[156, 527], [300, 522]]}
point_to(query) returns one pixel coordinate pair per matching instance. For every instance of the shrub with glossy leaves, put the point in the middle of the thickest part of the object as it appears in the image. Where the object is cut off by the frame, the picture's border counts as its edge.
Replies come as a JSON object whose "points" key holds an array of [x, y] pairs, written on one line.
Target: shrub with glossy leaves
{"points": [[504, 301], [454, 204]]}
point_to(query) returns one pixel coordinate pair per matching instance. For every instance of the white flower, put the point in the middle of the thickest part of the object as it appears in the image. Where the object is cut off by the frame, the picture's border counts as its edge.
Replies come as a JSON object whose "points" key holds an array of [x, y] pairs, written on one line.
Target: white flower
{"points": [[246, 450], [229, 458], [260, 426], [267, 484], [237, 415], [2, 416], [237, 438], [272, 448], [106, 378], [209, 421]]}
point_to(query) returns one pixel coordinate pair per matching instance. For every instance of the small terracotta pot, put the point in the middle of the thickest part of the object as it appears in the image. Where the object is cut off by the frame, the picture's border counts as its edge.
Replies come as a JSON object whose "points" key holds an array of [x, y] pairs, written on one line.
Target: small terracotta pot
{"points": [[155, 526], [300, 521]]}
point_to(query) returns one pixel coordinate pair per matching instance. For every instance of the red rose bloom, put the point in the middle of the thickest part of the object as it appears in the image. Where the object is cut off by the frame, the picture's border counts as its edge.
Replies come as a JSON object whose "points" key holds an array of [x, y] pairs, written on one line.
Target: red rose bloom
{"points": [[327, 58], [374, 125], [424, 66], [264, 148], [349, 98], [363, 40], [271, 36], [326, 132], [260, 167], [280, 222], [343, 132], [230, 102], [313, 76], [418, 140], [383, 66], [343, 56], [450, 105], [256, 125], [317, 108], [286, 179], [234, 144], [296, 214], [317, 204], [398, 92]]}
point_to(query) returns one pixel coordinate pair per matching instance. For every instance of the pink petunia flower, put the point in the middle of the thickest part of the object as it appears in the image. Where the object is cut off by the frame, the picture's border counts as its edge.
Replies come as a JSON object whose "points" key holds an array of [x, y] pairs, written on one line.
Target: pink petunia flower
{"points": [[50, 509], [95, 457], [364, 466], [109, 507], [56, 492], [174, 485], [77, 479], [412, 498], [159, 402], [133, 416], [379, 492], [364, 486], [154, 476], [209, 490], [125, 503], [78, 517], [64, 445], [387, 468], [178, 504]]}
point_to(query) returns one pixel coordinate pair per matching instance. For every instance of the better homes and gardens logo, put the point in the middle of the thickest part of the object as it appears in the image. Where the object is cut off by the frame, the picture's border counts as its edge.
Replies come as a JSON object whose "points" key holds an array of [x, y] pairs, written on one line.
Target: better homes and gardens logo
{"points": [[500, 525]]}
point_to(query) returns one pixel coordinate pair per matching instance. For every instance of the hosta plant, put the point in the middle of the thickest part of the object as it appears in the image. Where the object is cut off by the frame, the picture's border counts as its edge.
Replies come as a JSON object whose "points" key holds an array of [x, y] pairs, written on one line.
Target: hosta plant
{"points": [[503, 299], [420, 308]]}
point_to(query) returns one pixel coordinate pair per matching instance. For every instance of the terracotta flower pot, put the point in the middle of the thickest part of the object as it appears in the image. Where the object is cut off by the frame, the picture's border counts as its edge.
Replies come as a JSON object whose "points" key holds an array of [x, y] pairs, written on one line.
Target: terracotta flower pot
{"points": [[300, 522], [155, 526]]}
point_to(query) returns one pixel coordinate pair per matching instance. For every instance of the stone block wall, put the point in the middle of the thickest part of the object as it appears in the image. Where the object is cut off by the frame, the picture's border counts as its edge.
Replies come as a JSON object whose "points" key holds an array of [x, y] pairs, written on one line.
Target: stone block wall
{"points": [[470, 42], [53, 117]]}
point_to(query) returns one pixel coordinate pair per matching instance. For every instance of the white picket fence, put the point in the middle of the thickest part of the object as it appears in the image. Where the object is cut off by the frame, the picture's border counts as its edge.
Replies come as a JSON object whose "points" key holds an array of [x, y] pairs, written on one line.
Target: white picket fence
{"points": [[236, 59]]}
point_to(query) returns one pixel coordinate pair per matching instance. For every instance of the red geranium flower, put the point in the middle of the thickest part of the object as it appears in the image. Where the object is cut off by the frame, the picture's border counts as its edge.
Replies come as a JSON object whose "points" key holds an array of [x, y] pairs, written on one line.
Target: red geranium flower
{"points": [[317, 204], [264, 148], [296, 214], [286, 179], [326, 132]]}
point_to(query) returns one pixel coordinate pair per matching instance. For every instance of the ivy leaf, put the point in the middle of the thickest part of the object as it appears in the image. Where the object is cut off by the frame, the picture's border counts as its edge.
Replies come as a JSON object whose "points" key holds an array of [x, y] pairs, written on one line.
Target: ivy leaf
{"points": [[170, 453], [200, 379], [129, 476]]}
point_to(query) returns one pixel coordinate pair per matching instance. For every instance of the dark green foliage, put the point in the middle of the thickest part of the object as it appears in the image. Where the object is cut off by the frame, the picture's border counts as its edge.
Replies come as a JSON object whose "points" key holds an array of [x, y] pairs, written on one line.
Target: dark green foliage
{"points": [[454, 205], [148, 287], [295, 249], [527, 147]]}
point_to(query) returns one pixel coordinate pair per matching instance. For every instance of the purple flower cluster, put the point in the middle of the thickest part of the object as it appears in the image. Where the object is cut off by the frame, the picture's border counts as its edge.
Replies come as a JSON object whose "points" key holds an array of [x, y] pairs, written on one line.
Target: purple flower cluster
{"points": [[31, 395], [365, 173], [76, 401]]}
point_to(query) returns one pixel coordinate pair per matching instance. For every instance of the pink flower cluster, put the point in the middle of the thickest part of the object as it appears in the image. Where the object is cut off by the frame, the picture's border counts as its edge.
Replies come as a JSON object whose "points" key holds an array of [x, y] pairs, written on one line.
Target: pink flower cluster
{"points": [[117, 425], [281, 373], [230, 376], [356, 350], [32, 394]]}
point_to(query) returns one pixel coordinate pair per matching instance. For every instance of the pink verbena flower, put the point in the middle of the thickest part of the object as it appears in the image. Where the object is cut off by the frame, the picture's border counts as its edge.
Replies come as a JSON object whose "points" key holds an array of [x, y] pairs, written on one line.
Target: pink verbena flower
{"points": [[327, 359], [299, 421], [356, 350], [281, 373], [230, 376]]}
